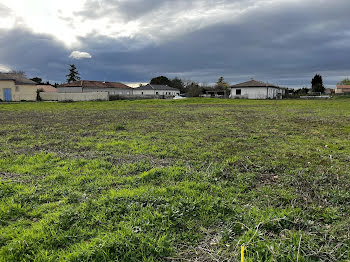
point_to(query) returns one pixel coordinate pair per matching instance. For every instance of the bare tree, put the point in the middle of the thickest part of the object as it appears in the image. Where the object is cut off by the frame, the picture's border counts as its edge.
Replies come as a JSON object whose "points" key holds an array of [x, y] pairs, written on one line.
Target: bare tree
{"points": [[18, 72]]}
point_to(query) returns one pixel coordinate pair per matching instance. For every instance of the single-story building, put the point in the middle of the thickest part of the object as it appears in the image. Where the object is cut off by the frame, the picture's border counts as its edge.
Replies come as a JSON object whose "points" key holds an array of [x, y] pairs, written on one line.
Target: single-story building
{"points": [[342, 89], [85, 86], [16, 87], [155, 90], [257, 90]]}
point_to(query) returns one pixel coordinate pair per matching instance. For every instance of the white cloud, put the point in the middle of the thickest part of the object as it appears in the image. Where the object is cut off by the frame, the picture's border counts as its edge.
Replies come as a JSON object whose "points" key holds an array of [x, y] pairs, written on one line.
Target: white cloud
{"points": [[7, 20], [4, 68], [80, 55]]}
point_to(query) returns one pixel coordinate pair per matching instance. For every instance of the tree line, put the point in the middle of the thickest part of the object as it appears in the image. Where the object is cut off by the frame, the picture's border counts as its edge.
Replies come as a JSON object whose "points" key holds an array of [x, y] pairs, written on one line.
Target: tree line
{"points": [[189, 87]]}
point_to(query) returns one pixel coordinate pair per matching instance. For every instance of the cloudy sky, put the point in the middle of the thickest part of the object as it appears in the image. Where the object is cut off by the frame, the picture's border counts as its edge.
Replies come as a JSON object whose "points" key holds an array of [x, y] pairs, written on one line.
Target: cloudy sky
{"points": [[280, 41]]}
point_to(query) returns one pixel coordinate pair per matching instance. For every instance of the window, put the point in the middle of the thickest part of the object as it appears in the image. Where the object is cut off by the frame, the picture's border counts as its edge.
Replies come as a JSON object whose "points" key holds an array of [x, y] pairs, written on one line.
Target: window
{"points": [[17, 88], [238, 92], [156, 93]]}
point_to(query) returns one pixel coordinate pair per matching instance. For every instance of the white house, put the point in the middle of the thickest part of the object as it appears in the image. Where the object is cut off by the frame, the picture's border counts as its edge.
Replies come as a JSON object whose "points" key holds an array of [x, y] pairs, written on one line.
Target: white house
{"points": [[156, 90], [257, 90], [84, 86]]}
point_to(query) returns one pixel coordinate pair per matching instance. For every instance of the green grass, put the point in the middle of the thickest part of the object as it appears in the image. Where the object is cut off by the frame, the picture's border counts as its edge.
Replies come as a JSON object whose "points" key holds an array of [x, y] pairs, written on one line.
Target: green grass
{"points": [[186, 180]]}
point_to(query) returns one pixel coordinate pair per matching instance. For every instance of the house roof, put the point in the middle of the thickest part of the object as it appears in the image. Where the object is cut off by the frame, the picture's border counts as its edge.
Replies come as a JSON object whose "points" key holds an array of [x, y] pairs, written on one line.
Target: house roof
{"points": [[46, 88], [157, 87], [146, 87], [95, 84], [343, 86], [19, 79], [254, 83]]}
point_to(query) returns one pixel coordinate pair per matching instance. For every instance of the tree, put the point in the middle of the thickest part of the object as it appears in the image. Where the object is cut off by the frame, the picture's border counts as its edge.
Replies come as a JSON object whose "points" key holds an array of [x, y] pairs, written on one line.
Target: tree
{"points": [[73, 74], [345, 81], [37, 80], [178, 84], [221, 84], [18, 72], [317, 84], [302, 91], [194, 90], [160, 80]]}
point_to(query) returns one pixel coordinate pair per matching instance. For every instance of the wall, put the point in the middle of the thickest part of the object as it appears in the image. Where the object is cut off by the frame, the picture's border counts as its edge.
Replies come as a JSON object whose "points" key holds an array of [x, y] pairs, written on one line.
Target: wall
{"points": [[6, 84], [25, 93], [250, 93], [69, 89], [18, 92], [91, 96], [257, 93], [275, 93], [111, 91], [139, 92], [167, 92], [154, 92]]}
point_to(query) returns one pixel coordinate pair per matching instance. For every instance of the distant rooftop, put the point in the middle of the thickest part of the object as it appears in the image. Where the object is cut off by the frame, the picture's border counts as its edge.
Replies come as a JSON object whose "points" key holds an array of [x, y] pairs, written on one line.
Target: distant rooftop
{"points": [[156, 87], [46, 88], [19, 79], [98, 84], [254, 83]]}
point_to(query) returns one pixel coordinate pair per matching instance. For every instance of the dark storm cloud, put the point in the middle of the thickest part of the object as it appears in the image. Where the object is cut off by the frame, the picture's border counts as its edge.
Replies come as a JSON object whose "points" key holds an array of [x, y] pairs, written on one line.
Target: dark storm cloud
{"points": [[94, 9], [285, 43], [135, 9], [35, 54], [43, 56]]}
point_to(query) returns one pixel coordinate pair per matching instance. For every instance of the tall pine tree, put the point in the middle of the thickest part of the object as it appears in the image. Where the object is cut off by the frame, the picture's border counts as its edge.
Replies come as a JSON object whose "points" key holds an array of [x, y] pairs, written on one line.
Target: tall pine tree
{"points": [[73, 74], [317, 84]]}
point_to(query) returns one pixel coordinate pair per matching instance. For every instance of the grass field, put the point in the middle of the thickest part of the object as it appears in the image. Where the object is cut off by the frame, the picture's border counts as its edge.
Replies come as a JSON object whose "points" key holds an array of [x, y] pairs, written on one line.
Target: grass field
{"points": [[188, 180]]}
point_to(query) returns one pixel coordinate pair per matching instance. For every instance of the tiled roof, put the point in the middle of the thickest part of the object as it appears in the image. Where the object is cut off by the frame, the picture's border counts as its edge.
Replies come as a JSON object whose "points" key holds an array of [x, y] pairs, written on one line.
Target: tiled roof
{"points": [[343, 86], [146, 87], [163, 87], [95, 84], [46, 88], [157, 87], [254, 83], [19, 79]]}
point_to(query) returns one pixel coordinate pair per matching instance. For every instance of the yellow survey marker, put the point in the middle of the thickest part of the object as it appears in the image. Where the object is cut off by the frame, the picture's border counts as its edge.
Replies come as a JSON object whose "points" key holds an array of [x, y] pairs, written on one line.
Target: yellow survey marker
{"points": [[242, 253]]}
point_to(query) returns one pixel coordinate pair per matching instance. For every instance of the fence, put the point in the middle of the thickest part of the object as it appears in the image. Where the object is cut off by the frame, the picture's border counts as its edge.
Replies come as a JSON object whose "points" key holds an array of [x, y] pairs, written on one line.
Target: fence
{"points": [[315, 97]]}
